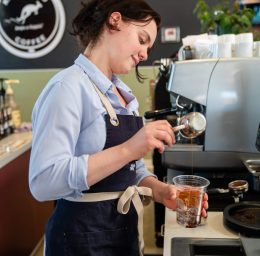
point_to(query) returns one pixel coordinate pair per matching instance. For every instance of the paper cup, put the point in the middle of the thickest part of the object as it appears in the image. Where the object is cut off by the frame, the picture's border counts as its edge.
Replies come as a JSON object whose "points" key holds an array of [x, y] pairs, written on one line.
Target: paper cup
{"points": [[224, 50], [257, 49], [227, 38], [244, 38], [243, 50]]}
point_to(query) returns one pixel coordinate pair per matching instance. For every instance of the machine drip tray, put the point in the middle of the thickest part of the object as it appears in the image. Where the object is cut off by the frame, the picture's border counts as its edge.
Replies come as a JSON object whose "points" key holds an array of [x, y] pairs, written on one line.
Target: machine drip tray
{"points": [[185, 246]]}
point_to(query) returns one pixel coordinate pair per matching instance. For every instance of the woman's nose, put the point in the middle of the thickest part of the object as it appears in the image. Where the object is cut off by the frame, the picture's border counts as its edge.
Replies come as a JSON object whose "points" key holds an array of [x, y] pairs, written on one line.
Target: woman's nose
{"points": [[143, 56]]}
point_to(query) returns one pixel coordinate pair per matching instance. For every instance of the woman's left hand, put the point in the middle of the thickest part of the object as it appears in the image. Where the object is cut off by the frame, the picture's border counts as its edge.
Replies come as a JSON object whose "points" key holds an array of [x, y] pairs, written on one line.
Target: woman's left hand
{"points": [[205, 205], [169, 195]]}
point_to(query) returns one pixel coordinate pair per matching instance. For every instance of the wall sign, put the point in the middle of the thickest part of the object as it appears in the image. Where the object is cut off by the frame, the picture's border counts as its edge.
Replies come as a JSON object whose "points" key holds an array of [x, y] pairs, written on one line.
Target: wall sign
{"points": [[170, 34], [31, 29]]}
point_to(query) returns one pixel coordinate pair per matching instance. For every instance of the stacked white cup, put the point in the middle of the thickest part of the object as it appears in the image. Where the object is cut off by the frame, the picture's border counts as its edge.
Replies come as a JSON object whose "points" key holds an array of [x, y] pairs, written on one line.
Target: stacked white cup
{"points": [[257, 49], [226, 43], [206, 46], [205, 49], [244, 45]]}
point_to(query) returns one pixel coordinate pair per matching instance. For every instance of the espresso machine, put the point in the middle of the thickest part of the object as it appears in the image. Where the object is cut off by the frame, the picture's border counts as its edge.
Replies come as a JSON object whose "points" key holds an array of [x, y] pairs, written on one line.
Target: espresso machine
{"points": [[227, 93]]}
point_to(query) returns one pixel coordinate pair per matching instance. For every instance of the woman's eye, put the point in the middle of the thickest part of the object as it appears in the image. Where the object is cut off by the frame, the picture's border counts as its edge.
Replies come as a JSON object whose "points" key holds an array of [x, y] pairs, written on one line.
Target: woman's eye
{"points": [[142, 41]]}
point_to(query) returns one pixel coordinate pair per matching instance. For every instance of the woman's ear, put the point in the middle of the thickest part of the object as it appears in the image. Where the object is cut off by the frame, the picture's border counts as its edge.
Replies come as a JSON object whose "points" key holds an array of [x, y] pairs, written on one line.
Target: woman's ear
{"points": [[115, 20]]}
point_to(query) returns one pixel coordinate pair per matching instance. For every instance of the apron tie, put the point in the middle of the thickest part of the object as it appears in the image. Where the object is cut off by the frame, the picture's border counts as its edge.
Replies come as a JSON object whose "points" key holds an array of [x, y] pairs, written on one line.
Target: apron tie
{"points": [[139, 196]]}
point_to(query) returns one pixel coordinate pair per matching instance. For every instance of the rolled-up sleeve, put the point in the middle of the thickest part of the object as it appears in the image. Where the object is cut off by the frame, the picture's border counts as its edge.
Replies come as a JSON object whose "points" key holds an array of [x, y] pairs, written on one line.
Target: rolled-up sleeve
{"points": [[55, 170], [69, 126]]}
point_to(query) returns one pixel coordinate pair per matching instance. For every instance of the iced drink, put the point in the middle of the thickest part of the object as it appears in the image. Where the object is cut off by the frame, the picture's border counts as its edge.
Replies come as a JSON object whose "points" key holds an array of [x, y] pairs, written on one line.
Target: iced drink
{"points": [[190, 192]]}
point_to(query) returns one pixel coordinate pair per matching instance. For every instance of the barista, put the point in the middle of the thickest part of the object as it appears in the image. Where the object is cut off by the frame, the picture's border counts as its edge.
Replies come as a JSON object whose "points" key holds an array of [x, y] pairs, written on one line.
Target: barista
{"points": [[88, 140]]}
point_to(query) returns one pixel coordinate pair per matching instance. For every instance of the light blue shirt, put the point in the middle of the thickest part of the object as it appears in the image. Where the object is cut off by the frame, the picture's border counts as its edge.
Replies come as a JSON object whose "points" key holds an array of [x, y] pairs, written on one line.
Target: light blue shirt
{"points": [[68, 126]]}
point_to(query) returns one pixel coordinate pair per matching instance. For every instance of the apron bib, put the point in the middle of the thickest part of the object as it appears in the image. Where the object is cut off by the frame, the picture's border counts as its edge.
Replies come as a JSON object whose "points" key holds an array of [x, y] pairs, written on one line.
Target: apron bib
{"points": [[96, 228]]}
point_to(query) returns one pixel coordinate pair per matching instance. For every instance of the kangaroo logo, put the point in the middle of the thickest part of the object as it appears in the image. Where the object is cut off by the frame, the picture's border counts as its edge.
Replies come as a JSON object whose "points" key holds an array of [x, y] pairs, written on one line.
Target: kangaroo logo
{"points": [[26, 12], [25, 29]]}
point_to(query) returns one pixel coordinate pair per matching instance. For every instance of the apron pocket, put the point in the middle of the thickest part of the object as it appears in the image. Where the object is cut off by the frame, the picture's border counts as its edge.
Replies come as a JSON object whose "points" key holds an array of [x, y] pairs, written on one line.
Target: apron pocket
{"points": [[109, 242]]}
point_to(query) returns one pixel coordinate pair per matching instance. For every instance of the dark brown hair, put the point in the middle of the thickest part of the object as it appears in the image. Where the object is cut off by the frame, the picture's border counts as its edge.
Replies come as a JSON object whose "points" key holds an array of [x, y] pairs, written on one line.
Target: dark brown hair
{"points": [[88, 25]]}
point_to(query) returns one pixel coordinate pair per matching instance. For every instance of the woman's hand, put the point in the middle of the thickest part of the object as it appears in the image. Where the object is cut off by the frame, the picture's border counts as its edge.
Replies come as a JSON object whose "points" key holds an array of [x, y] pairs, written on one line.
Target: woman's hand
{"points": [[155, 134], [205, 205], [167, 194], [162, 192], [168, 198]]}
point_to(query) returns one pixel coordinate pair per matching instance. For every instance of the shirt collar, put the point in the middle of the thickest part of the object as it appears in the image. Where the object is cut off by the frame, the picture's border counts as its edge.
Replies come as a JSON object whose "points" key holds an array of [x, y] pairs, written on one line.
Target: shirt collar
{"points": [[97, 77]]}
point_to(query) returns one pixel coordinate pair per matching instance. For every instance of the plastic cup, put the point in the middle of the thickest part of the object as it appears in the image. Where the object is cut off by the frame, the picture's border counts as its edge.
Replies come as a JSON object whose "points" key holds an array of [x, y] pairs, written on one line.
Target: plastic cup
{"points": [[190, 192]]}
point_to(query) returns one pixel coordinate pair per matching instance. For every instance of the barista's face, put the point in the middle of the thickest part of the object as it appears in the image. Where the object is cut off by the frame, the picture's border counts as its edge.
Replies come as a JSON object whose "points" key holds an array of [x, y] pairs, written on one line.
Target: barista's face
{"points": [[130, 45]]}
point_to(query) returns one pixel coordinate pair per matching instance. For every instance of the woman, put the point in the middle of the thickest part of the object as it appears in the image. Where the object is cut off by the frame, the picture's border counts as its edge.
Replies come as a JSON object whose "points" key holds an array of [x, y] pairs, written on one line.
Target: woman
{"points": [[88, 140]]}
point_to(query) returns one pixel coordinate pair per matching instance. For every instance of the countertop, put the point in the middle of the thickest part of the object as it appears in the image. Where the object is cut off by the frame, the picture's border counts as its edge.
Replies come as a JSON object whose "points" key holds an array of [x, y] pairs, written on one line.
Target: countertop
{"points": [[213, 228], [13, 146]]}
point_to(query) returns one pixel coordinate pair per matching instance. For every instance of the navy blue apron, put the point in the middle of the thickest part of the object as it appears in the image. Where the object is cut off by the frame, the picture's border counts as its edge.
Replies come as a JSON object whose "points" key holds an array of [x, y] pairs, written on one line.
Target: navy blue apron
{"points": [[96, 228]]}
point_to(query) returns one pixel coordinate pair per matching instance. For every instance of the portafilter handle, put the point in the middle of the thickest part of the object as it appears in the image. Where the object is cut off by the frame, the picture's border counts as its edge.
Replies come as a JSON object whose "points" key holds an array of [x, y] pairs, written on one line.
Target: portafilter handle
{"points": [[179, 127], [159, 113]]}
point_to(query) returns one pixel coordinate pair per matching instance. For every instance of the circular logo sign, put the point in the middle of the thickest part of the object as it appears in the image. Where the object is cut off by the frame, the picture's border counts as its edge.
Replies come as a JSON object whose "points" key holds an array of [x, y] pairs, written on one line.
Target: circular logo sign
{"points": [[31, 28]]}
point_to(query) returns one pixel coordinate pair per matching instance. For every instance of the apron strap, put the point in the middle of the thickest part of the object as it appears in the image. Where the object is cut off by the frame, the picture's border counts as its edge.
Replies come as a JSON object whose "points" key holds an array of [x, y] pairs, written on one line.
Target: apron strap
{"points": [[106, 103], [132, 194], [138, 195]]}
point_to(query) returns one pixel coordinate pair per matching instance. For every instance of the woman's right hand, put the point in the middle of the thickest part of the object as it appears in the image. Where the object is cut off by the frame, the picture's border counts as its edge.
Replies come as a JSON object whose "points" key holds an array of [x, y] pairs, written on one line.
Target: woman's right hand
{"points": [[155, 134]]}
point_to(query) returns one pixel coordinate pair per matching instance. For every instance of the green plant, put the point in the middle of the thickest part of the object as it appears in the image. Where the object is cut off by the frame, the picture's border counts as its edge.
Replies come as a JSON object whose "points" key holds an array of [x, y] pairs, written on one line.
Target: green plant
{"points": [[224, 18]]}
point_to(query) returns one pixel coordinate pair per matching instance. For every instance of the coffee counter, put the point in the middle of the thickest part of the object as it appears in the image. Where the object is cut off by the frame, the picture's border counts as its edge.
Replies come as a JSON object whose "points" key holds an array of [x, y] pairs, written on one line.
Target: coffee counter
{"points": [[13, 146], [22, 218], [212, 228]]}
